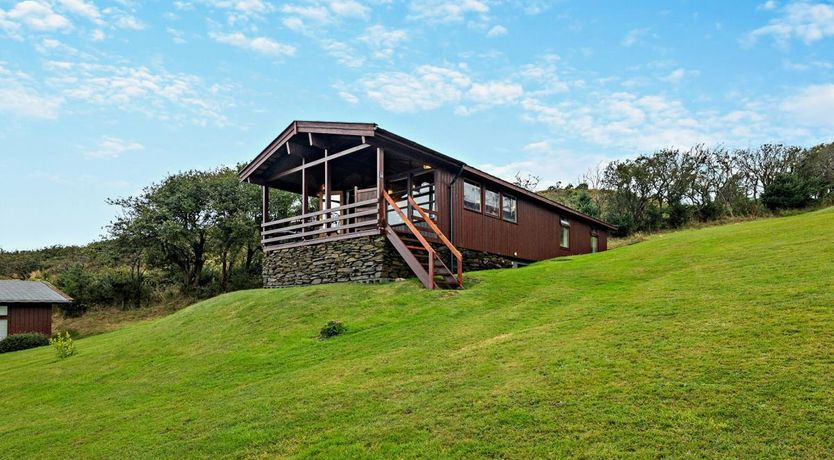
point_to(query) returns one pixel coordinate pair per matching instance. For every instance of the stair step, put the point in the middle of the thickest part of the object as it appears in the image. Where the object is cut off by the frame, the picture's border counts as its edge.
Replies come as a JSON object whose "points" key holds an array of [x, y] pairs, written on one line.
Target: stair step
{"points": [[415, 248]]}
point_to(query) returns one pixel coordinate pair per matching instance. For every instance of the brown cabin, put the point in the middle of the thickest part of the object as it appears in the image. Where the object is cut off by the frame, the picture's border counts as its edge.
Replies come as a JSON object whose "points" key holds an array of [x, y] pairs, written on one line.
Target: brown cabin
{"points": [[377, 206], [26, 306]]}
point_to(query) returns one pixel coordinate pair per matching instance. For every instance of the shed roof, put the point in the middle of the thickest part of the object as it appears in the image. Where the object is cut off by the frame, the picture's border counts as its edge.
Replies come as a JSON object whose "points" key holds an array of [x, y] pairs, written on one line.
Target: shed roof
{"points": [[17, 291]]}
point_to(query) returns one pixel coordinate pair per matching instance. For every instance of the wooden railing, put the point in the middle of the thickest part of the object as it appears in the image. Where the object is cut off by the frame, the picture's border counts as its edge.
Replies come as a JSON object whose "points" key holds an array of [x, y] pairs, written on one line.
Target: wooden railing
{"points": [[428, 248], [347, 221], [433, 226]]}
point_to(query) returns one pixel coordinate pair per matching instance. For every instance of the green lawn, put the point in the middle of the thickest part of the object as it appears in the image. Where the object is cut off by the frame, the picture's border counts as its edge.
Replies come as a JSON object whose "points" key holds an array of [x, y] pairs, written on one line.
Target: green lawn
{"points": [[716, 342]]}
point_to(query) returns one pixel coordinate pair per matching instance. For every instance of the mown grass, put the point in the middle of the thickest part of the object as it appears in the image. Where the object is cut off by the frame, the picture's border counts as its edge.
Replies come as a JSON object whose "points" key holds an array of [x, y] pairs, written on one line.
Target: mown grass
{"points": [[710, 343]]}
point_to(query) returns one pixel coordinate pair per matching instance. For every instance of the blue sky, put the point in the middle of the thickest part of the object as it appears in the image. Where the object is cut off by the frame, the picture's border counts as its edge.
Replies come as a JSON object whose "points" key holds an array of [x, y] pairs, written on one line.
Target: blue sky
{"points": [[98, 99]]}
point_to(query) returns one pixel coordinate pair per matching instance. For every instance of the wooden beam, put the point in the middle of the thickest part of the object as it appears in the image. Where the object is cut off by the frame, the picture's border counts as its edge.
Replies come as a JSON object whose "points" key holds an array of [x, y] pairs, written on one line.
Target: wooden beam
{"points": [[326, 184], [265, 208], [303, 187], [319, 161], [380, 186]]}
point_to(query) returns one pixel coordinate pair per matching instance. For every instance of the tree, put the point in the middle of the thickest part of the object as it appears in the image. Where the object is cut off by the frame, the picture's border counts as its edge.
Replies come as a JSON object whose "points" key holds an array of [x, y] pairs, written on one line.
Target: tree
{"points": [[233, 203], [172, 220], [787, 191], [529, 182]]}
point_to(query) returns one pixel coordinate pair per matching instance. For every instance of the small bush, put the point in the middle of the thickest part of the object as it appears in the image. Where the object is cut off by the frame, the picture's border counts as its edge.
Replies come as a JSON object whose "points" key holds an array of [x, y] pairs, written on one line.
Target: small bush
{"points": [[332, 329], [63, 345], [24, 341]]}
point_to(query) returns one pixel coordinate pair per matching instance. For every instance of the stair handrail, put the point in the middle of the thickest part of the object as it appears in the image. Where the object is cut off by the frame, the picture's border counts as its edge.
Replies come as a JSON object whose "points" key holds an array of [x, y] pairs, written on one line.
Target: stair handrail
{"points": [[442, 237], [414, 230]]}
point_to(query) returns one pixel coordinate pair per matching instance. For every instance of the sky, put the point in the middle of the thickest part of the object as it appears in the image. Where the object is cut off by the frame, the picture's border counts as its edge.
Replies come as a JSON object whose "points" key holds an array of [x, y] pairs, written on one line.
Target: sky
{"points": [[100, 99]]}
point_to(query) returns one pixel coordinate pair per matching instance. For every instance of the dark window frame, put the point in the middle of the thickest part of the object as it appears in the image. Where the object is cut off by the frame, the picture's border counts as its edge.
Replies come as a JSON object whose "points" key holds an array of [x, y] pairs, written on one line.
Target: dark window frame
{"points": [[480, 209], [564, 224], [515, 200], [496, 215]]}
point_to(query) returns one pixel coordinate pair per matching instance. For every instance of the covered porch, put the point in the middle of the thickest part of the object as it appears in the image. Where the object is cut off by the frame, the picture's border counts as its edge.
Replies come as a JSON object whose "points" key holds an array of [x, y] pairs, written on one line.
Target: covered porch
{"points": [[341, 177]]}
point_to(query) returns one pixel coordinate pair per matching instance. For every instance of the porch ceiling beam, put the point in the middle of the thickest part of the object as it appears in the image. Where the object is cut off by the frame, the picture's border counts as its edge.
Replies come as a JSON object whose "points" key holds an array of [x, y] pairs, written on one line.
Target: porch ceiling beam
{"points": [[319, 161]]}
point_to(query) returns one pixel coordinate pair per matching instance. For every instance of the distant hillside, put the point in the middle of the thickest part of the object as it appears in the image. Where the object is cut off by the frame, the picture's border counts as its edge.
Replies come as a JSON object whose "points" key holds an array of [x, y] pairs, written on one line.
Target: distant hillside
{"points": [[707, 343]]}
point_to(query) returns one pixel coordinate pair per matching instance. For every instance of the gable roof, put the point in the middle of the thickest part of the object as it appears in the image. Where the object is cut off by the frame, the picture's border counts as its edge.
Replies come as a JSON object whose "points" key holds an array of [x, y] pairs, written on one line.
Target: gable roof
{"points": [[17, 291], [376, 135]]}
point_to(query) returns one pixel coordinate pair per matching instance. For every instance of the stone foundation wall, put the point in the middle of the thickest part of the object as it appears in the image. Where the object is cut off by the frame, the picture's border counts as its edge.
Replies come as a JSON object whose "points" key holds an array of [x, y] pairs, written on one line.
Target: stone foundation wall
{"points": [[365, 259], [479, 260]]}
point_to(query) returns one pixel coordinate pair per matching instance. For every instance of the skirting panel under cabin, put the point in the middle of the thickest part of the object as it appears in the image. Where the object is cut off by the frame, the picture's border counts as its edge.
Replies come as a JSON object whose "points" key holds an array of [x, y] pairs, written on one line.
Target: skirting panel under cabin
{"points": [[366, 259]]}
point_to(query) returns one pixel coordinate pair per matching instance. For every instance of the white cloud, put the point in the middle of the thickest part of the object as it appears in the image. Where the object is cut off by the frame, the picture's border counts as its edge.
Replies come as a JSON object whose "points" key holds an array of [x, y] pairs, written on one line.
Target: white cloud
{"points": [[768, 5], [812, 106], [21, 101], [83, 8], [382, 41], [37, 15], [112, 147], [634, 36], [155, 93], [263, 45], [316, 13], [177, 36], [129, 22], [445, 11], [808, 22], [497, 31], [97, 35], [348, 8], [428, 87], [679, 74], [342, 52], [321, 12], [495, 93], [547, 160], [625, 120], [238, 10]]}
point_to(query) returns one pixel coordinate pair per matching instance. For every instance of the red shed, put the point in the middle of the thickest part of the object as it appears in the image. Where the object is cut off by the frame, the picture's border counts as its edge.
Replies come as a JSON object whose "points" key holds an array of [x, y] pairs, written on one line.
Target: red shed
{"points": [[26, 306]]}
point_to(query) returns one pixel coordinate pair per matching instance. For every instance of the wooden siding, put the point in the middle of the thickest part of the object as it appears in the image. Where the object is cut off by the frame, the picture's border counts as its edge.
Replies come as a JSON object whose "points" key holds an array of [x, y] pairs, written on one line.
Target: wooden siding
{"points": [[534, 237], [30, 318]]}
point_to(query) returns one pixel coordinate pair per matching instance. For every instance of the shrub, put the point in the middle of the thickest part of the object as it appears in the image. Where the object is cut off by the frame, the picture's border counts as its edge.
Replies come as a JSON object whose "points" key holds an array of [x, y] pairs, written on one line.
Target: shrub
{"points": [[23, 341], [332, 329], [787, 191], [63, 345]]}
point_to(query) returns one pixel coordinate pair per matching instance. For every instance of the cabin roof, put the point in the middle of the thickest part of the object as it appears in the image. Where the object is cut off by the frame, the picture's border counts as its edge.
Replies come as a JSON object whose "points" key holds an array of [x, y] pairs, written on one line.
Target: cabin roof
{"points": [[18, 291], [376, 135]]}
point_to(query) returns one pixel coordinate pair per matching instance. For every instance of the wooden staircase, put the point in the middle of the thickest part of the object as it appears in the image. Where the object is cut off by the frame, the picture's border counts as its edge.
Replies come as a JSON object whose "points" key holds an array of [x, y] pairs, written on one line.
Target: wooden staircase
{"points": [[417, 240]]}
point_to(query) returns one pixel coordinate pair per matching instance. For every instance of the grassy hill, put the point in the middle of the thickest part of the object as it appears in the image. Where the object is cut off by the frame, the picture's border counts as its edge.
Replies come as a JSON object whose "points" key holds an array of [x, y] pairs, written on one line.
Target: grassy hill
{"points": [[716, 342]]}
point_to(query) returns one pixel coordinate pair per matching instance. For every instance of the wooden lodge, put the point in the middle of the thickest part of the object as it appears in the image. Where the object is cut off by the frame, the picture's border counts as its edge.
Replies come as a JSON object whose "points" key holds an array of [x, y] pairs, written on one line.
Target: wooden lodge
{"points": [[378, 206]]}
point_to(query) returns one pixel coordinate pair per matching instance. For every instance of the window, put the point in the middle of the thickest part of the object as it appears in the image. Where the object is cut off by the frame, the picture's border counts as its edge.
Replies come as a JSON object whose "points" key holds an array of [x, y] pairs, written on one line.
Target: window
{"points": [[564, 234], [594, 241], [471, 196], [509, 209], [491, 202], [4, 310], [4, 323]]}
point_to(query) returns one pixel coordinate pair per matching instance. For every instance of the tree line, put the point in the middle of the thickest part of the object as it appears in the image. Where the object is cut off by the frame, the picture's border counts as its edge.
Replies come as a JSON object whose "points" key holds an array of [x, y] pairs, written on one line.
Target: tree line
{"points": [[192, 235], [672, 187]]}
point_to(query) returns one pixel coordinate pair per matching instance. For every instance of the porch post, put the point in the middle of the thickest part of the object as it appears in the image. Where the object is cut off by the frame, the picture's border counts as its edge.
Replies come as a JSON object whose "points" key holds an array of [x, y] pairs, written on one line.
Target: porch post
{"points": [[380, 185], [265, 205], [326, 187], [303, 188]]}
